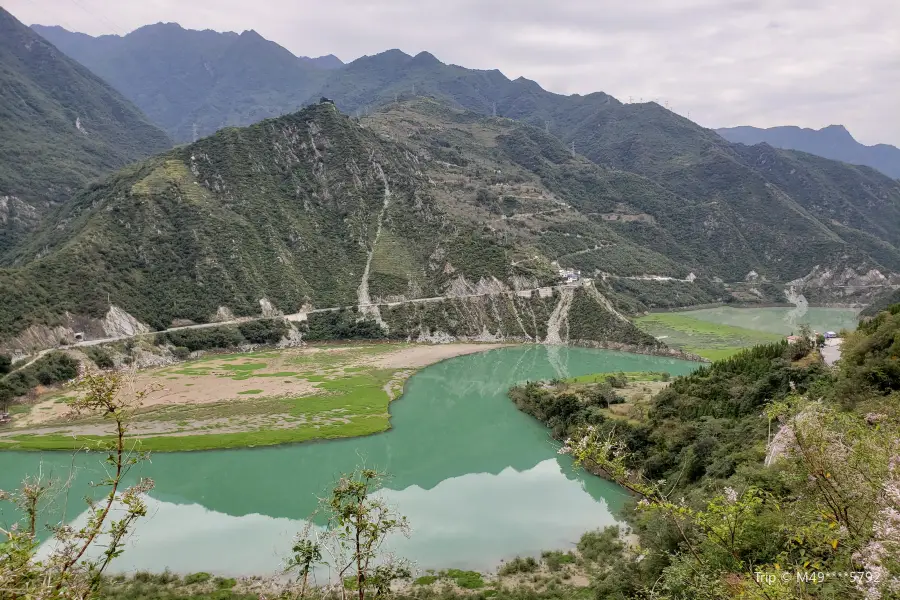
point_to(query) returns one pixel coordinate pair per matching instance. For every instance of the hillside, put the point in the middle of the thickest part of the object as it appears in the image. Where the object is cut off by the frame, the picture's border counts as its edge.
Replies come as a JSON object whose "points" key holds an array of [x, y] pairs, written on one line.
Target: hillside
{"points": [[60, 127], [192, 83], [881, 302], [748, 216], [769, 462], [324, 213], [468, 205], [767, 219], [833, 142]]}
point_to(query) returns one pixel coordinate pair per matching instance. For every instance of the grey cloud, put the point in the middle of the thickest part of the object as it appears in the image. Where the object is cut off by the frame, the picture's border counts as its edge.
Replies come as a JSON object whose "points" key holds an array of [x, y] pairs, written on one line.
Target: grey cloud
{"points": [[722, 62]]}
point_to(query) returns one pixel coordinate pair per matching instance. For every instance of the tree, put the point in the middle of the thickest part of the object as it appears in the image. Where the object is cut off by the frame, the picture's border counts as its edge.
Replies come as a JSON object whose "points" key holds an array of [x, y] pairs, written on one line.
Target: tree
{"points": [[306, 554], [357, 525], [840, 512], [5, 364], [67, 573]]}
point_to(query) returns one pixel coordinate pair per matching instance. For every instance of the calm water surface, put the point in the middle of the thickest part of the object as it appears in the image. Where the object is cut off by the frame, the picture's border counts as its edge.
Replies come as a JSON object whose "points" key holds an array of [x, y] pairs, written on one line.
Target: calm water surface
{"points": [[479, 481]]}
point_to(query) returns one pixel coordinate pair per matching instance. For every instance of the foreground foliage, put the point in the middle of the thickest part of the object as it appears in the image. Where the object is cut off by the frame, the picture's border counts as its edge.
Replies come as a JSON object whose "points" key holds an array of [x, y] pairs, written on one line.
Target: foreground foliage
{"points": [[69, 571], [763, 476]]}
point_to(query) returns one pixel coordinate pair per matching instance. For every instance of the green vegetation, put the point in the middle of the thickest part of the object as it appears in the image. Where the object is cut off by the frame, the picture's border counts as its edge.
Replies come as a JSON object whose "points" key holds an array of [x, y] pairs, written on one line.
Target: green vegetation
{"points": [[44, 158], [434, 237], [519, 565], [881, 303], [767, 462], [326, 395], [68, 571], [589, 320], [54, 367], [341, 325], [709, 340], [101, 356]]}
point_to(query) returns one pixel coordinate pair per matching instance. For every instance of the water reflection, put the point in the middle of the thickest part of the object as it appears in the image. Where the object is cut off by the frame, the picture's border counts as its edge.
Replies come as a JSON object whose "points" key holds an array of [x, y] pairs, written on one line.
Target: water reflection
{"points": [[479, 480], [455, 525]]}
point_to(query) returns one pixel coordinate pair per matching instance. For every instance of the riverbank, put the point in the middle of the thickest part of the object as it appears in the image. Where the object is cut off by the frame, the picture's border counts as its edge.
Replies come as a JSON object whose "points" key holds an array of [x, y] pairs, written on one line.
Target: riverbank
{"points": [[246, 399]]}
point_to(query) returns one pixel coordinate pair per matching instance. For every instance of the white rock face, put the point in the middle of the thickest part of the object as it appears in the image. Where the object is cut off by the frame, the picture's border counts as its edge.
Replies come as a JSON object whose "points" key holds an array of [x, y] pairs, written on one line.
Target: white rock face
{"points": [[435, 337], [79, 126], [223, 314], [268, 309], [463, 287], [119, 323]]}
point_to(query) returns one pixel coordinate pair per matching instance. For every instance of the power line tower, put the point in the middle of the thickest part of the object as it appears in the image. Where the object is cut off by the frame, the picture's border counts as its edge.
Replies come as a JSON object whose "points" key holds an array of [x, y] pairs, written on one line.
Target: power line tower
{"points": [[547, 127], [493, 109], [573, 149], [414, 89], [195, 131]]}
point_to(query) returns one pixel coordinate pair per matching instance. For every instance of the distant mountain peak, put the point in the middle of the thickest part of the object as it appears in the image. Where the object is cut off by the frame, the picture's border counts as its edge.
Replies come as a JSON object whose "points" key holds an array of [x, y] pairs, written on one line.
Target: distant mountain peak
{"points": [[837, 132], [425, 58], [834, 142]]}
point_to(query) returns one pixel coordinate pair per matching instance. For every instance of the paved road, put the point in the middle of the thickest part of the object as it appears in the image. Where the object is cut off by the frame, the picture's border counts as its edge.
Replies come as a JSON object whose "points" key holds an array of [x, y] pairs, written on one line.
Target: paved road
{"points": [[831, 351], [300, 316]]}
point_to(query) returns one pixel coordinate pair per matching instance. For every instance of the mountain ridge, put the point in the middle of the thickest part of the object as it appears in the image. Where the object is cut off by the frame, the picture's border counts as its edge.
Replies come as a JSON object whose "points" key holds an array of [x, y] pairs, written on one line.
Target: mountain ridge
{"points": [[193, 82], [477, 206], [60, 127], [833, 141]]}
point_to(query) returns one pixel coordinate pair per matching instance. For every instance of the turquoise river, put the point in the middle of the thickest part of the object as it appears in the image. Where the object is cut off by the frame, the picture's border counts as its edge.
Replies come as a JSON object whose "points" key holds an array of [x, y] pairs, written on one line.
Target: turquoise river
{"points": [[479, 481]]}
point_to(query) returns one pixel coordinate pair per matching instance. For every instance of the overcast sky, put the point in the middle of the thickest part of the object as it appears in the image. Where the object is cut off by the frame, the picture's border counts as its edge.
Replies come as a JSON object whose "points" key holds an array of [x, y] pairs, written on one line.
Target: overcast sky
{"points": [[810, 63]]}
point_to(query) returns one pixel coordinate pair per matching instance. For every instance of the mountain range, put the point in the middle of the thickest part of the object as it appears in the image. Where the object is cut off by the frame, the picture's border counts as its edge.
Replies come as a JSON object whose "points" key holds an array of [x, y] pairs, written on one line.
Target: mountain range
{"points": [[833, 142], [406, 178], [61, 126], [193, 83]]}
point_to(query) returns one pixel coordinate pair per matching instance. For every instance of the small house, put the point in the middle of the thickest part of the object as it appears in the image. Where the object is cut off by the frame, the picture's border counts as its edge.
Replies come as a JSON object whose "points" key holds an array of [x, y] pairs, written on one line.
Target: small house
{"points": [[830, 335], [793, 339]]}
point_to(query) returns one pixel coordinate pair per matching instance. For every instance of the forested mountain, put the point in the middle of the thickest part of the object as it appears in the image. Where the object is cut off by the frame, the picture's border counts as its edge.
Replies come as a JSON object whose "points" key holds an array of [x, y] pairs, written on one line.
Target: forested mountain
{"points": [[196, 82], [833, 142], [310, 209], [746, 212], [60, 127], [660, 211], [420, 199]]}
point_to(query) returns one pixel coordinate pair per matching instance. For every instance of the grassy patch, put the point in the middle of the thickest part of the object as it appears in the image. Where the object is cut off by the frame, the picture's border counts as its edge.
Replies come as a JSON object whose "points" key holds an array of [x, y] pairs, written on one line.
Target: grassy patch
{"points": [[470, 580], [710, 340], [349, 400], [635, 376]]}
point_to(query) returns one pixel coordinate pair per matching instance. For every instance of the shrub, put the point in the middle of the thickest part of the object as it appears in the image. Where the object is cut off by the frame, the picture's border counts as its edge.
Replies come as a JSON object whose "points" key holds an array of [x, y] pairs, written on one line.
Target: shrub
{"points": [[601, 544], [519, 565], [5, 364], [225, 583], [197, 578], [101, 357], [206, 338], [181, 353], [555, 559], [264, 331], [51, 368], [470, 580], [342, 325]]}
